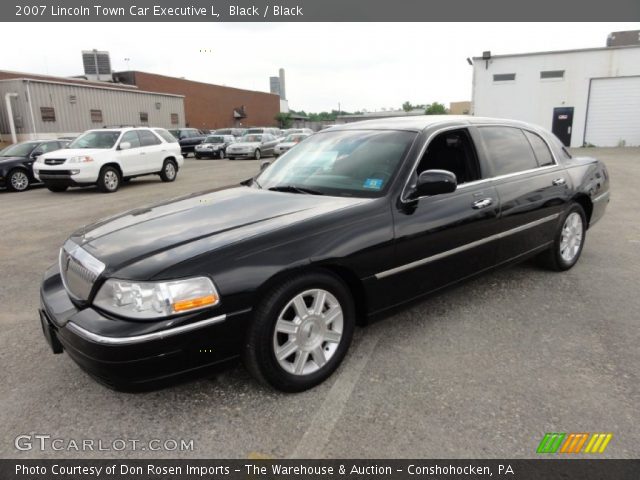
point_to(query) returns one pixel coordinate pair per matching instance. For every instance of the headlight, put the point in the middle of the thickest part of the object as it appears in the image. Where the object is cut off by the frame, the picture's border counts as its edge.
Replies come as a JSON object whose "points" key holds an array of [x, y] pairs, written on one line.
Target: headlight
{"points": [[80, 159], [152, 300]]}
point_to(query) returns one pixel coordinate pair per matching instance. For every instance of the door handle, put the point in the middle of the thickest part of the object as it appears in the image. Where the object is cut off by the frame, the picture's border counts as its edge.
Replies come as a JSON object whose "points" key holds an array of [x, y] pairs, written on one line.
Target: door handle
{"points": [[485, 202], [559, 181]]}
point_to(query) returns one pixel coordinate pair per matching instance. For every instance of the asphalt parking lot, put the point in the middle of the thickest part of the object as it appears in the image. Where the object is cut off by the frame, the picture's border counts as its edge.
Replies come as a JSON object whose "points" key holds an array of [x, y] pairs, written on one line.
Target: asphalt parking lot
{"points": [[482, 370]]}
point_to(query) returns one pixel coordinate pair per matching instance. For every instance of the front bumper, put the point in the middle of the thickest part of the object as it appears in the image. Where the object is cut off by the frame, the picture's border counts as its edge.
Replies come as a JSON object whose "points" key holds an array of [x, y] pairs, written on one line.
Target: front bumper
{"points": [[245, 154], [134, 355]]}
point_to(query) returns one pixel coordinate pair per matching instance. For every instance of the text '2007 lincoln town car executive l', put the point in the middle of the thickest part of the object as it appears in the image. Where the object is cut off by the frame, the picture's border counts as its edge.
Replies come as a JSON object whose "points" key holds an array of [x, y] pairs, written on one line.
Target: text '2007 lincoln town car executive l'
{"points": [[355, 220]]}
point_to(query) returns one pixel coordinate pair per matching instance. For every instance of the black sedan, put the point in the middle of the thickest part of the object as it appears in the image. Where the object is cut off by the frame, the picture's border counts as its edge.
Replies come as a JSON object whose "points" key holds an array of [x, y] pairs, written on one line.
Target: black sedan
{"points": [[16, 162], [354, 221]]}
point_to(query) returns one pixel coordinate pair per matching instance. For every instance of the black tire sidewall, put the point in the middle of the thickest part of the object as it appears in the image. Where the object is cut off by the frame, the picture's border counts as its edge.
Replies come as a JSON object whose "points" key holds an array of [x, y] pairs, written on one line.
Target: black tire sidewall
{"points": [[561, 263], [101, 183], [263, 326], [163, 173]]}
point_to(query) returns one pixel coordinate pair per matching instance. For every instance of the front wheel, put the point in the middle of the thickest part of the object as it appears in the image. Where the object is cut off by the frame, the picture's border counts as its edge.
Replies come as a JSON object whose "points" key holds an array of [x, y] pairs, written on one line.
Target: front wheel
{"points": [[300, 332], [256, 154], [221, 154], [197, 155], [18, 181], [568, 241], [169, 171], [109, 180]]}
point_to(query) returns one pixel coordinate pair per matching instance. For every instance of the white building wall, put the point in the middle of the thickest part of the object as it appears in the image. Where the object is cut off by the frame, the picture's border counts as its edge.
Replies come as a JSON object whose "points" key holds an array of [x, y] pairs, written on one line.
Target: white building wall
{"points": [[532, 99]]}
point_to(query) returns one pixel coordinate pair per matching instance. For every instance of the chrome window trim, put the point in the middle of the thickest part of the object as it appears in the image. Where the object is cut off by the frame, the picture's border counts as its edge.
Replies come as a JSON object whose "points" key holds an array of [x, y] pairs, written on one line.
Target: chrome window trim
{"points": [[403, 198], [462, 248], [147, 337]]}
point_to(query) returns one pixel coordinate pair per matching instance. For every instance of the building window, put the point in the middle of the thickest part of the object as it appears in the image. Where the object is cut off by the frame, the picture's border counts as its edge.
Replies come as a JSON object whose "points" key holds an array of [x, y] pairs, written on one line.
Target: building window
{"points": [[96, 116], [504, 77], [48, 114], [174, 119], [557, 74], [144, 117]]}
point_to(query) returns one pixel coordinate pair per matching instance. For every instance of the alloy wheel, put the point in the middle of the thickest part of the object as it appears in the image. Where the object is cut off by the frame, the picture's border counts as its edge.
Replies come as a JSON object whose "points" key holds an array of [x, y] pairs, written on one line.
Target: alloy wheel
{"points": [[308, 332], [111, 180], [19, 181], [170, 170], [571, 239]]}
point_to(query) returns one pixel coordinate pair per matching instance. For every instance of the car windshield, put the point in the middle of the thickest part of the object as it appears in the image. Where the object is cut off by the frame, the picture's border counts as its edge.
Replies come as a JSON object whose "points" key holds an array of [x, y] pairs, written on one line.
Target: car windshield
{"points": [[214, 139], [255, 130], [96, 139], [19, 149], [343, 163], [251, 138], [295, 138], [224, 131]]}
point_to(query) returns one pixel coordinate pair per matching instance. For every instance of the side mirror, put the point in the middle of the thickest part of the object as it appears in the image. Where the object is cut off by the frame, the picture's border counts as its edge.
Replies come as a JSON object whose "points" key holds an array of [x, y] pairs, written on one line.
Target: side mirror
{"points": [[264, 165], [125, 145], [36, 153], [435, 182]]}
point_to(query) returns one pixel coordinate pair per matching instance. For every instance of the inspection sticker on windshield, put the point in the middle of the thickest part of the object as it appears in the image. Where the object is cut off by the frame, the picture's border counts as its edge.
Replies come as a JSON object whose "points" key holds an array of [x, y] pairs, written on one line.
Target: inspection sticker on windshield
{"points": [[373, 183]]}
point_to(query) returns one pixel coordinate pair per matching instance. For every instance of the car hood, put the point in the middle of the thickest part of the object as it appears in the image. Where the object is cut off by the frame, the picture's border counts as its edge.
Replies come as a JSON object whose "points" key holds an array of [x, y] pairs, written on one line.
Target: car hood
{"points": [[221, 217], [73, 152], [12, 159], [245, 144], [287, 144]]}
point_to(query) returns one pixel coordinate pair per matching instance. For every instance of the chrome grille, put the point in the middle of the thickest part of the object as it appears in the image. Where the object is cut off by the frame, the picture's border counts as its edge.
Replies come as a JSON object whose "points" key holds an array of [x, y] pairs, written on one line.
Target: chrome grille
{"points": [[79, 270], [55, 161]]}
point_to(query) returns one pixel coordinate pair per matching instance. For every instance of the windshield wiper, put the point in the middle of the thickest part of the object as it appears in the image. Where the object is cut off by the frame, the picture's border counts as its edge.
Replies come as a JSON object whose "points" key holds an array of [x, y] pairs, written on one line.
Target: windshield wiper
{"points": [[294, 189]]}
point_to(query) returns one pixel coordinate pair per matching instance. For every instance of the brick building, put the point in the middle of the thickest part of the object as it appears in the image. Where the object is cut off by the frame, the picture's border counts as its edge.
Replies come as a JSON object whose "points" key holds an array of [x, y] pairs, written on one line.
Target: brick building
{"points": [[210, 106]]}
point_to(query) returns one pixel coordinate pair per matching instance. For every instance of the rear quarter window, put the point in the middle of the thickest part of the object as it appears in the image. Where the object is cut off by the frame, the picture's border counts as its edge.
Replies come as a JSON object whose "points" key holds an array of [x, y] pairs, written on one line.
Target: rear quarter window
{"points": [[540, 149], [165, 135]]}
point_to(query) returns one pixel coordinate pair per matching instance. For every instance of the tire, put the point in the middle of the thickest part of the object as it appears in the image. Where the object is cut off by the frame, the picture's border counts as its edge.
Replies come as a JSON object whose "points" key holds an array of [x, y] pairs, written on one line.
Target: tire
{"points": [[318, 350], [256, 154], [57, 188], [169, 171], [197, 155], [231, 158], [221, 154], [568, 241], [109, 180], [18, 180]]}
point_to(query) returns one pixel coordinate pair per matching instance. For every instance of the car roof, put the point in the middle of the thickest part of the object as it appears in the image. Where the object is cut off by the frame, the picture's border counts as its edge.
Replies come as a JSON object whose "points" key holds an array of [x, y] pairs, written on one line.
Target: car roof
{"points": [[418, 123]]}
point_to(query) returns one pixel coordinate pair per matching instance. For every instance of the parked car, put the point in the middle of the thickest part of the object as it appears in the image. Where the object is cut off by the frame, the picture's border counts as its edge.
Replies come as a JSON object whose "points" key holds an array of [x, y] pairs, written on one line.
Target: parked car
{"points": [[236, 132], [271, 131], [107, 157], [252, 146], [188, 139], [350, 223], [299, 130], [16, 162], [289, 142], [214, 146]]}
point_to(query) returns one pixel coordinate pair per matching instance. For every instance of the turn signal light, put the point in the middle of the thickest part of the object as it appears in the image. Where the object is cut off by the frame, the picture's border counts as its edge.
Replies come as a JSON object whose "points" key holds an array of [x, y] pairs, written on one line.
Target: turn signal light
{"points": [[184, 305]]}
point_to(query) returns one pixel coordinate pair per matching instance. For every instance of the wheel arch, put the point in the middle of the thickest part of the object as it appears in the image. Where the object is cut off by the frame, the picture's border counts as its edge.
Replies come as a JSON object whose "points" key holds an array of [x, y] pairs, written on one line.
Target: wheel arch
{"points": [[345, 274], [585, 202], [116, 165]]}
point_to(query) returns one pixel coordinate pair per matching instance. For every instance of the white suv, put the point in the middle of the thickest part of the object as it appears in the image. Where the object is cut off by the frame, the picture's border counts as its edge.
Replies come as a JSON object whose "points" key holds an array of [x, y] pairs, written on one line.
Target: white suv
{"points": [[107, 156]]}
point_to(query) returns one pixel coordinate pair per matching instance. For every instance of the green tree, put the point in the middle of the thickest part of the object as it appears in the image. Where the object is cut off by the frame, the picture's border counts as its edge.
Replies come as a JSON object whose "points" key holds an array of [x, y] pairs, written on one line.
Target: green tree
{"points": [[284, 119], [407, 106], [435, 109]]}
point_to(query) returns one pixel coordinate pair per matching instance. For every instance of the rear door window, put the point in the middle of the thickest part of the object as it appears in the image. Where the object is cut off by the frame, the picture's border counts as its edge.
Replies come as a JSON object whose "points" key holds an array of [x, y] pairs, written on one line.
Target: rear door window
{"points": [[132, 137], [147, 138], [508, 149]]}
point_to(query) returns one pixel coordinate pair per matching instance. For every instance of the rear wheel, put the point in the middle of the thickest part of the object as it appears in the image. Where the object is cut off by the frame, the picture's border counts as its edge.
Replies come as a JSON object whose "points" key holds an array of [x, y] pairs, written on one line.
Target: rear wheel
{"points": [[109, 180], [197, 155], [18, 181], [256, 154], [568, 241], [169, 171], [300, 332], [220, 154]]}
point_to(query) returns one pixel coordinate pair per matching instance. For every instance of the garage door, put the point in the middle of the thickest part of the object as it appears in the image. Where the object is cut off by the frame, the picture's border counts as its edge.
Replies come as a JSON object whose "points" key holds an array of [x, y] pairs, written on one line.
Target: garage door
{"points": [[614, 112]]}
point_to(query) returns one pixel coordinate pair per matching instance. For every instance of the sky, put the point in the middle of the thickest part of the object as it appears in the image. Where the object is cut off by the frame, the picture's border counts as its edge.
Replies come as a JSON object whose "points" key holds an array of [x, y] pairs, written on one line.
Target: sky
{"points": [[359, 66]]}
